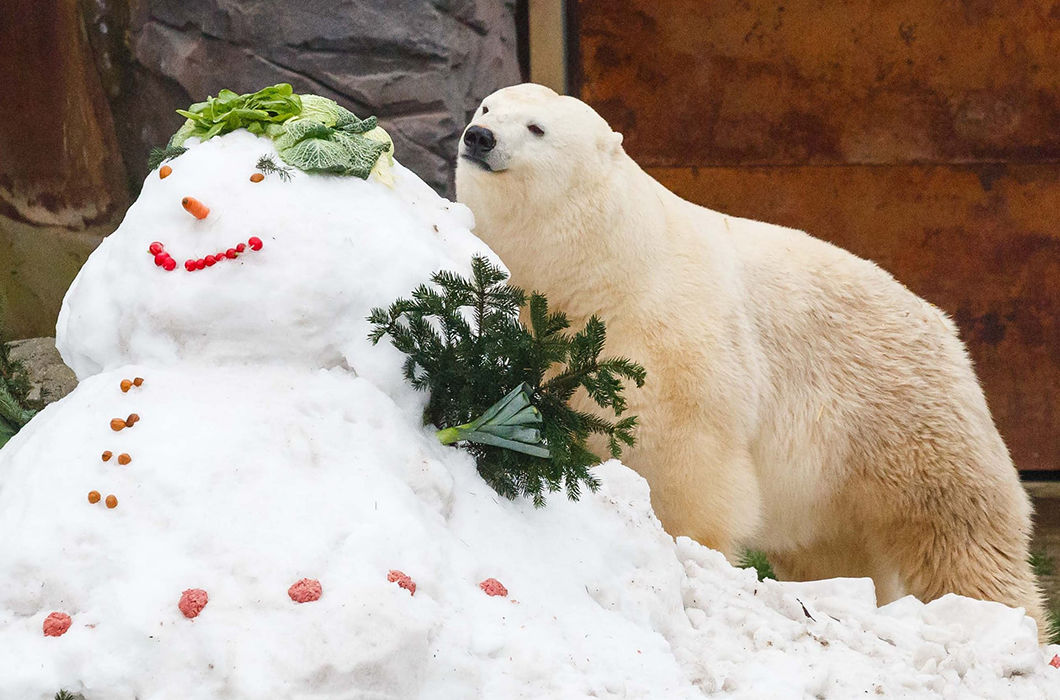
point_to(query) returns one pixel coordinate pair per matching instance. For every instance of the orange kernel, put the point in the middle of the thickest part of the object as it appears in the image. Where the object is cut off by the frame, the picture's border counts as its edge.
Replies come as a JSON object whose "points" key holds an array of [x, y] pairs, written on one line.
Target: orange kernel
{"points": [[107, 455], [132, 419], [116, 424], [125, 385], [93, 496], [164, 172], [257, 177], [124, 459], [112, 501], [138, 381]]}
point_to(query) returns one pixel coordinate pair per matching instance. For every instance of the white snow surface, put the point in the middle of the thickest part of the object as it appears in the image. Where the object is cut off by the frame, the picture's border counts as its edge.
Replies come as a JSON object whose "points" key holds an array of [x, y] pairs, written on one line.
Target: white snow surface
{"points": [[276, 444]]}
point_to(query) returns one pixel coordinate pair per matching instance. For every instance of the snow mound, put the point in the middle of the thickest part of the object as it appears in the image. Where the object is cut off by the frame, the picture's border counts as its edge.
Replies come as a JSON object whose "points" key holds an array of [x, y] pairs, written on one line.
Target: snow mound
{"points": [[244, 481], [276, 449]]}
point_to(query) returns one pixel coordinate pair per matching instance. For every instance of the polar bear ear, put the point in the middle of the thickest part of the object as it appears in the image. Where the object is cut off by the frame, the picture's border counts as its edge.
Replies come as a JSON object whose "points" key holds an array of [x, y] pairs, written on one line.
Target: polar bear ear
{"points": [[614, 142]]}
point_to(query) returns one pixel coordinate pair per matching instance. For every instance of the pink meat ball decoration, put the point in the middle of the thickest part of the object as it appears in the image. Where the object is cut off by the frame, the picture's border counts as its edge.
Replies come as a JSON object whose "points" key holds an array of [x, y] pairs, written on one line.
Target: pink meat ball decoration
{"points": [[1055, 663], [192, 601], [305, 591], [402, 579], [493, 587], [56, 624]]}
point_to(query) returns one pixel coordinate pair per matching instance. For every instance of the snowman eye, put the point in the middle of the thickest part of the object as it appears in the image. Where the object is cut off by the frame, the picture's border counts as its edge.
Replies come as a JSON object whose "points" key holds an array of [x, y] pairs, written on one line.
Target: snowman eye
{"points": [[535, 129]]}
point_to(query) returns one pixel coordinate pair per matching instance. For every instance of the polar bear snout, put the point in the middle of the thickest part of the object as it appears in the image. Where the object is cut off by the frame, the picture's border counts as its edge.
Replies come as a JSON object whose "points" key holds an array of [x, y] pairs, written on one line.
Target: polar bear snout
{"points": [[478, 146], [479, 141]]}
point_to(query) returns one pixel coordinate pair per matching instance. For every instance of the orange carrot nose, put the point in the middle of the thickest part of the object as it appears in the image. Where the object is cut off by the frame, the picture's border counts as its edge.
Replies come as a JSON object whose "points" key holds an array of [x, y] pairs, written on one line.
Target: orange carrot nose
{"points": [[195, 207]]}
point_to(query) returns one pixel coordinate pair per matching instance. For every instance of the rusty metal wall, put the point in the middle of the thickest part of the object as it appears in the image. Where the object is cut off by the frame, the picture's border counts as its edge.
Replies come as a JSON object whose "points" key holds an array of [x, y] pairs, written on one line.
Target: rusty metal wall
{"points": [[924, 136]]}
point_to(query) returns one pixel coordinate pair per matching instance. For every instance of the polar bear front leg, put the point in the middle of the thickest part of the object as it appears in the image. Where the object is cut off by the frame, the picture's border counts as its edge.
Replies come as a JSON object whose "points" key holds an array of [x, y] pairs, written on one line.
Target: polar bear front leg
{"points": [[847, 555], [702, 486]]}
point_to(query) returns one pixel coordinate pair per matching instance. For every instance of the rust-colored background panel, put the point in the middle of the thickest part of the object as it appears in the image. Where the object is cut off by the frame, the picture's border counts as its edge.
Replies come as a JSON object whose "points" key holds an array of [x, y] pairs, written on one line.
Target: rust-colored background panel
{"points": [[924, 136], [860, 81]]}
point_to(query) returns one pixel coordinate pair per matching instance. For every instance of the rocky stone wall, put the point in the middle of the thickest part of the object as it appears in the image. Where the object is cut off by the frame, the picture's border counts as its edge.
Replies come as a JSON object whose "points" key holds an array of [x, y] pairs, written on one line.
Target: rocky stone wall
{"points": [[421, 66], [50, 379]]}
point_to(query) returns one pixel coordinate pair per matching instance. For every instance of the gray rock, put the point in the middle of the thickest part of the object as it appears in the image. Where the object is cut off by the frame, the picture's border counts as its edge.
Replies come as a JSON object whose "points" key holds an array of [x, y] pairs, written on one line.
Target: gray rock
{"points": [[421, 66], [46, 369]]}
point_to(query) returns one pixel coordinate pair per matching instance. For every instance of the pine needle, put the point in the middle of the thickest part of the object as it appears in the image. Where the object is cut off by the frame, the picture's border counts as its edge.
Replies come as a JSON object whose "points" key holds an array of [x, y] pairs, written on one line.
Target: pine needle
{"points": [[268, 167], [754, 559], [66, 695], [16, 408], [161, 155]]}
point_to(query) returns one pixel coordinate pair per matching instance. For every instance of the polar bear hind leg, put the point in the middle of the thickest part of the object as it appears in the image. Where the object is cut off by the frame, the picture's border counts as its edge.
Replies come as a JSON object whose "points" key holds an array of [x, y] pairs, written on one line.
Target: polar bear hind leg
{"points": [[927, 555], [967, 550]]}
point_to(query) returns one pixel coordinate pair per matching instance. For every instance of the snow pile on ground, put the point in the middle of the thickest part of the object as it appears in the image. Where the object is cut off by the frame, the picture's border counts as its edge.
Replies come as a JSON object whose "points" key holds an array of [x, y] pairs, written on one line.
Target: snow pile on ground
{"points": [[272, 444]]}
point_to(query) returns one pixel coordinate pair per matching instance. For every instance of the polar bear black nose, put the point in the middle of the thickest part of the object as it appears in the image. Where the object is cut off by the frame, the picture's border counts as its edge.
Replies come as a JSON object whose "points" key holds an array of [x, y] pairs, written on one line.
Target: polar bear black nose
{"points": [[479, 139]]}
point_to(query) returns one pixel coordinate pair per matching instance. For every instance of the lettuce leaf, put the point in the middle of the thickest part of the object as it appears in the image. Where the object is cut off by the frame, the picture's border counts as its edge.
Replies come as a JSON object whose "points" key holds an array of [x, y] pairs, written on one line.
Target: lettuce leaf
{"points": [[229, 111], [332, 152], [295, 130], [321, 109], [312, 133], [319, 155]]}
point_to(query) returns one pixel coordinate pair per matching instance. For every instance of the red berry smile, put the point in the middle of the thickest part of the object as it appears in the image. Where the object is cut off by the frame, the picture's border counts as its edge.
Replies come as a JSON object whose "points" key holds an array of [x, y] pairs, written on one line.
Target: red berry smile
{"points": [[165, 261]]}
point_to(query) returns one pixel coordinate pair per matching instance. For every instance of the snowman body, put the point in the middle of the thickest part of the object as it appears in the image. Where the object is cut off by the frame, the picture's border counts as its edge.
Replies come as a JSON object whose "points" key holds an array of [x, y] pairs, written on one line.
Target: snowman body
{"points": [[268, 442]]}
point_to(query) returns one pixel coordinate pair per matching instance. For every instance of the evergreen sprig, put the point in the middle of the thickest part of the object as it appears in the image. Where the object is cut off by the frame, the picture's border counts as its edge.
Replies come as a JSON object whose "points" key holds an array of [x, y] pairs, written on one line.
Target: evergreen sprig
{"points": [[757, 560], [157, 156], [16, 408], [268, 166], [466, 346]]}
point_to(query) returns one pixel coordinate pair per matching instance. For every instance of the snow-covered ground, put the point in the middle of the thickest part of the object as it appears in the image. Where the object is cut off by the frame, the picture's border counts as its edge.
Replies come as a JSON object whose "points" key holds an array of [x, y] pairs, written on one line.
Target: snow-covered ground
{"points": [[275, 444]]}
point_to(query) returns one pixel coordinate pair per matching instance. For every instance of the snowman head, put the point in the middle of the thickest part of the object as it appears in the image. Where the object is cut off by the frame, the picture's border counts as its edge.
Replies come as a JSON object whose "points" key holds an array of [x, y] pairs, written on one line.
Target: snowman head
{"points": [[192, 252], [215, 264]]}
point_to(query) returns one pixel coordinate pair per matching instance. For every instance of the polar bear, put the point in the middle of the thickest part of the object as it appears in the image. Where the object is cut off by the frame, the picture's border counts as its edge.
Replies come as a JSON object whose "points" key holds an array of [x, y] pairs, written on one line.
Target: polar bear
{"points": [[799, 399]]}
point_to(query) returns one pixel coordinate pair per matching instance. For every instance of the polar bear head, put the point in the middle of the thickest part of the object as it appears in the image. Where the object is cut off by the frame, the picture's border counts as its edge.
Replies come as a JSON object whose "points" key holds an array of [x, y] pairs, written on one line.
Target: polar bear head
{"points": [[527, 141]]}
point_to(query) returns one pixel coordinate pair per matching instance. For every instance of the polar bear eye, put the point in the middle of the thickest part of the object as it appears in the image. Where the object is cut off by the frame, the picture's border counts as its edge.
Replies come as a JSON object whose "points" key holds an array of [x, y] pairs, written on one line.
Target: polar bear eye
{"points": [[485, 109], [535, 129]]}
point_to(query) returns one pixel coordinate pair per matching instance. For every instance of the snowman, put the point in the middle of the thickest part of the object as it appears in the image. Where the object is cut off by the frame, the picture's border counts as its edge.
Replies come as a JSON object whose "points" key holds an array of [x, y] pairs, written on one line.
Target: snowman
{"points": [[240, 500]]}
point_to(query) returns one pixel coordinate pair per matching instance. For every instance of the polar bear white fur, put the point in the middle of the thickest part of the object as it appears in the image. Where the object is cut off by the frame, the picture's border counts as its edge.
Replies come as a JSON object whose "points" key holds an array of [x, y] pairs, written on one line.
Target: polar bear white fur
{"points": [[799, 399]]}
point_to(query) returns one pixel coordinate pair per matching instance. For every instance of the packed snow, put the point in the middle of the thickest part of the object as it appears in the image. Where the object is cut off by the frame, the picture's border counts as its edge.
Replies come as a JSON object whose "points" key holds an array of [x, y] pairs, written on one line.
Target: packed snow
{"points": [[279, 456]]}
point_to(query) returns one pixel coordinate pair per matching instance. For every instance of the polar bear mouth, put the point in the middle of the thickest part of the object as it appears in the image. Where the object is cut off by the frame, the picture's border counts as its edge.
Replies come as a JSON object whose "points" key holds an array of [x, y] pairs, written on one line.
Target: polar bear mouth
{"points": [[481, 162]]}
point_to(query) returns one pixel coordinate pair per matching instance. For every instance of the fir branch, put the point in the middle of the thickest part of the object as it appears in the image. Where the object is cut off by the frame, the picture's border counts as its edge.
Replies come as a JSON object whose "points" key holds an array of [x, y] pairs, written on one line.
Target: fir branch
{"points": [[268, 166], [16, 408], [484, 370], [157, 156], [67, 695], [755, 559]]}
